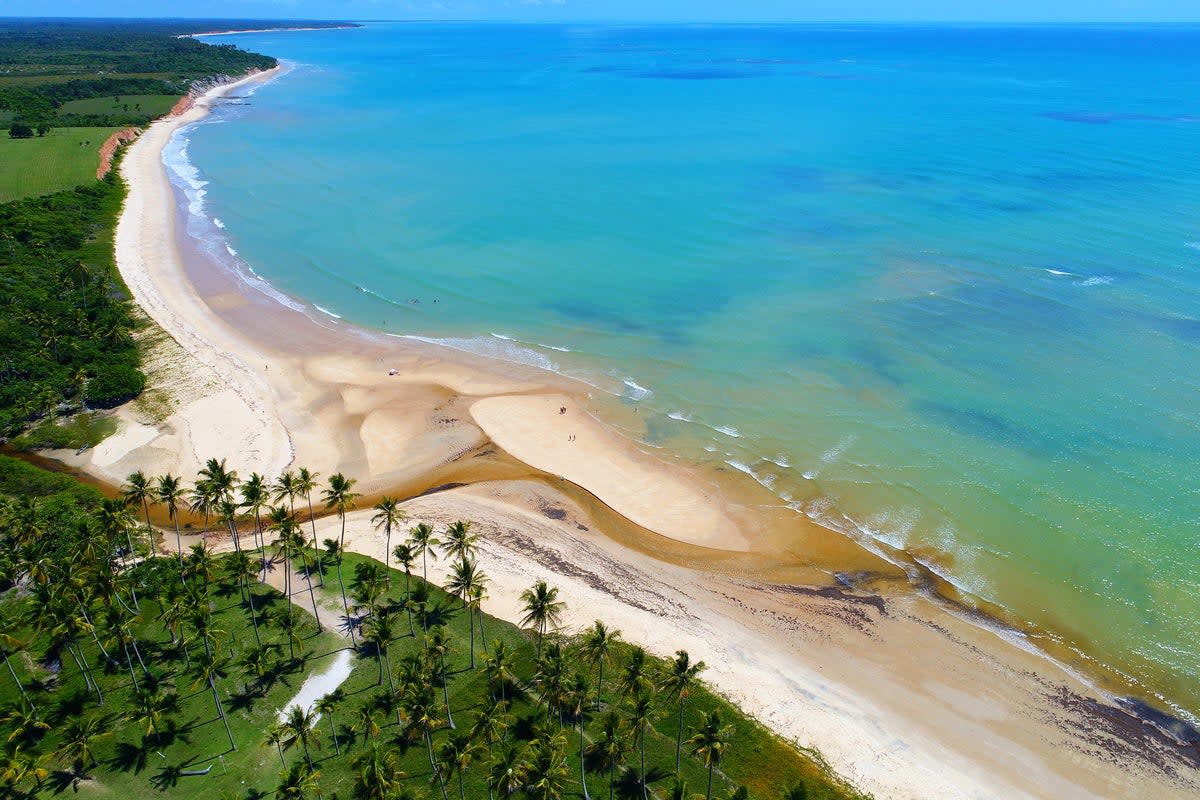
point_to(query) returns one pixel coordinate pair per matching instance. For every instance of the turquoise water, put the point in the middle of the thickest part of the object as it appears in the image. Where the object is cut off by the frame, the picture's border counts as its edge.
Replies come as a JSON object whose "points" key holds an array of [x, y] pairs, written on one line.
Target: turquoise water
{"points": [[936, 287]]}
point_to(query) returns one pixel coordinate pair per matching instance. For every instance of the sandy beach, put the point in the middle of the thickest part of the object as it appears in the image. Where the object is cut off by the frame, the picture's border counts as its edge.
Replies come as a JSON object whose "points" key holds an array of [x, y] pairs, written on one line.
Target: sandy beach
{"points": [[902, 694]]}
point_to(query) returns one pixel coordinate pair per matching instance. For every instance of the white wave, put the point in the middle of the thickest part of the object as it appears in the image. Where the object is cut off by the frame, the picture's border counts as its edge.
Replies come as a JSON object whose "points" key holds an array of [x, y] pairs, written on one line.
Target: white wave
{"points": [[780, 461], [555, 347], [834, 453], [1061, 273], [680, 415], [810, 474], [502, 336], [218, 223], [1096, 280], [709, 448], [490, 347], [766, 481], [634, 391], [326, 311], [728, 430], [231, 251], [1193, 245]]}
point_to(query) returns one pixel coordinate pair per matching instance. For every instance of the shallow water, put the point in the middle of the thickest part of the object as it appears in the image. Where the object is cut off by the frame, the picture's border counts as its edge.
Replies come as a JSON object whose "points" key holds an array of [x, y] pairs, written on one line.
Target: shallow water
{"points": [[936, 287]]}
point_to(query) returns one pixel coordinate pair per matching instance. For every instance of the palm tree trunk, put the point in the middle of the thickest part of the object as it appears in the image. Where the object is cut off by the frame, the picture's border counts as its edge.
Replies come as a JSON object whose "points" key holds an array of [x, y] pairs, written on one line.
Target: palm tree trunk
{"points": [[312, 520], [482, 640], [471, 622], [679, 736], [178, 539], [253, 613], [341, 583], [17, 681], [582, 762], [387, 552], [600, 684], [643, 749], [129, 663], [708, 794], [612, 778], [221, 712], [312, 595], [446, 694], [333, 733], [432, 763]]}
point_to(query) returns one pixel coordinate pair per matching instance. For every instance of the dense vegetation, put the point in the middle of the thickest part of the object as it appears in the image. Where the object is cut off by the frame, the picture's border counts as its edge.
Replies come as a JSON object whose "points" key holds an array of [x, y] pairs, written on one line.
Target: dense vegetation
{"points": [[136, 671], [65, 326]]}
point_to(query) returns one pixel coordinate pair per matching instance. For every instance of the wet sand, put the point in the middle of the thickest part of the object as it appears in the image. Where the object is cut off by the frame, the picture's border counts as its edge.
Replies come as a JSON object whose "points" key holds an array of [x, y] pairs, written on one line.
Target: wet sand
{"points": [[903, 695]]}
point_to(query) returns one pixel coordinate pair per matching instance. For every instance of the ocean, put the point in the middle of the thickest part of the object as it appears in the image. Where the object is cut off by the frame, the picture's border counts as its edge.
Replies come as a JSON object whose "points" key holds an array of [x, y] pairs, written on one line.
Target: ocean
{"points": [[935, 287]]}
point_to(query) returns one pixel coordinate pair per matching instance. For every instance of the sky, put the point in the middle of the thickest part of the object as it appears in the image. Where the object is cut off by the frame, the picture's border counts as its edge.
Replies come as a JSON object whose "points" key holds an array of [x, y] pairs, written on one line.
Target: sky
{"points": [[629, 10]]}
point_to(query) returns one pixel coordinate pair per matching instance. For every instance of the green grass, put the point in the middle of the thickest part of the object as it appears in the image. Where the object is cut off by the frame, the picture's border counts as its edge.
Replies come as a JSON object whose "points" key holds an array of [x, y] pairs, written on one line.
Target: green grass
{"points": [[154, 105], [62, 159], [131, 765], [82, 430]]}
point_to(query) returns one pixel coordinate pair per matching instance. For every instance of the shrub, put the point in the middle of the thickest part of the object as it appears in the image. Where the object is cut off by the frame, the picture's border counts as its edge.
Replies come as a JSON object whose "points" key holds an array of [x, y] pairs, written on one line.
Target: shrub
{"points": [[114, 384]]}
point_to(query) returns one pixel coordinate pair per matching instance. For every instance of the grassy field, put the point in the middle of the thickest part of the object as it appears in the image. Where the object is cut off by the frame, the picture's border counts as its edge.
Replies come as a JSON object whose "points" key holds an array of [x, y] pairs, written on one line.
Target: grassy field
{"points": [[131, 762], [153, 104], [62, 159]]}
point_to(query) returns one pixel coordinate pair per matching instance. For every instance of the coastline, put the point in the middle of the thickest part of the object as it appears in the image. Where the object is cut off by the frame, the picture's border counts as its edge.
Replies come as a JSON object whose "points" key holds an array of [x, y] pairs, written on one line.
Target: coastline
{"points": [[915, 686]]}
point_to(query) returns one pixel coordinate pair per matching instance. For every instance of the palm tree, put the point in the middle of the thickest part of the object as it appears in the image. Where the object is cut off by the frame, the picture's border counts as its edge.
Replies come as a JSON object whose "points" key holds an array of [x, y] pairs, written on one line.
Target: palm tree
{"points": [[366, 718], [259, 662], [423, 543], [284, 488], [388, 515], [611, 746], [79, 737], [241, 567], [578, 697], [709, 742], [139, 491], [208, 668], [542, 610], [227, 512], [280, 520], [491, 723], [27, 725], [455, 755], [459, 541], [299, 727], [597, 642], [380, 631], [405, 557], [222, 480], [641, 715], [437, 644], [325, 706], [339, 497], [254, 499], [203, 499], [467, 582], [275, 736], [506, 771], [635, 675], [546, 776], [169, 492], [677, 683], [298, 783], [421, 708], [499, 667], [376, 775], [305, 483]]}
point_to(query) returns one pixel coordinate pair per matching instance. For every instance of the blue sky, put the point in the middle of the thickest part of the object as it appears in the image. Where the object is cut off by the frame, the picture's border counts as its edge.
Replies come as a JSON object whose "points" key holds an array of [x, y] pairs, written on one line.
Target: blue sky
{"points": [[630, 10]]}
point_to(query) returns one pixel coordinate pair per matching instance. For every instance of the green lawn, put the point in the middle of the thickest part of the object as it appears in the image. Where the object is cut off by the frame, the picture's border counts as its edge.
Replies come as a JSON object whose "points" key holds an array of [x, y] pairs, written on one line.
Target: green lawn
{"points": [[154, 105], [62, 159]]}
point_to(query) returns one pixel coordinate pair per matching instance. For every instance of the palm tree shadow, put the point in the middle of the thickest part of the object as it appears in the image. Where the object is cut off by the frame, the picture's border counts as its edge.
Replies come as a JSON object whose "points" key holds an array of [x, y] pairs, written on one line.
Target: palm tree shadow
{"points": [[167, 777], [129, 756]]}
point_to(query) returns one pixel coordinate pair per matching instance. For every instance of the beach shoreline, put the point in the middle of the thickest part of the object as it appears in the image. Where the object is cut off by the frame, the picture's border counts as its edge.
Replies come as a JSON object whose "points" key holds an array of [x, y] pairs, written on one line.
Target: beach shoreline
{"points": [[892, 712]]}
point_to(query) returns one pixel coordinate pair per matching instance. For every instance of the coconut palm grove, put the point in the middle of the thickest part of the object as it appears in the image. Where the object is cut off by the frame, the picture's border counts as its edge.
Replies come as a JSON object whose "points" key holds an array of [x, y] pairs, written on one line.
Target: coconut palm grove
{"points": [[157, 642]]}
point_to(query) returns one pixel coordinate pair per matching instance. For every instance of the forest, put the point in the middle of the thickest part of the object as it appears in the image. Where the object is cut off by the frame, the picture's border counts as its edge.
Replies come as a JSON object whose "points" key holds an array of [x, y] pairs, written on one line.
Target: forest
{"points": [[137, 664]]}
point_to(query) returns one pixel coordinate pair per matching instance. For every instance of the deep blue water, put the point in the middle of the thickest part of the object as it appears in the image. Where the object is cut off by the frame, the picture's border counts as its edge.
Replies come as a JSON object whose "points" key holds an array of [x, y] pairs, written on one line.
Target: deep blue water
{"points": [[938, 287]]}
